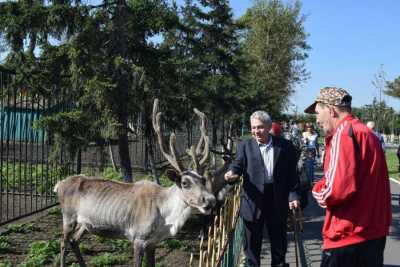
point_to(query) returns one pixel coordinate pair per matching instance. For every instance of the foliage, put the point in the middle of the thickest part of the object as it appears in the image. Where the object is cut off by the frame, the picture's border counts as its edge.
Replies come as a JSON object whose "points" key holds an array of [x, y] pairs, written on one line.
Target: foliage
{"points": [[4, 243], [20, 228], [393, 88], [55, 211], [25, 176], [5, 264], [108, 259], [389, 120], [120, 245], [41, 253], [275, 46], [111, 174], [173, 243]]}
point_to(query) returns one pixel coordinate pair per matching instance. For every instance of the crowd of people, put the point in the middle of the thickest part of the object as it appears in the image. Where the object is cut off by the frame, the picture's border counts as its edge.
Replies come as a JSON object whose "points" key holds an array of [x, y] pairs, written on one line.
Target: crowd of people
{"points": [[278, 166]]}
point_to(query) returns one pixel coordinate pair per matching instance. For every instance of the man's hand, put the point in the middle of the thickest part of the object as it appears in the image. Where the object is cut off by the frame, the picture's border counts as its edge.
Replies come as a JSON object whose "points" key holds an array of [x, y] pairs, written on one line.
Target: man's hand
{"points": [[231, 177], [294, 204]]}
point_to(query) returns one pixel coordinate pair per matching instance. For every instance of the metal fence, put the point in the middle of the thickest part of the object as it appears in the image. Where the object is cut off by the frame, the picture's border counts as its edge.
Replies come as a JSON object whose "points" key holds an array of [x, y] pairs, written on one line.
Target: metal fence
{"points": [[27, 175], [224, 242]]}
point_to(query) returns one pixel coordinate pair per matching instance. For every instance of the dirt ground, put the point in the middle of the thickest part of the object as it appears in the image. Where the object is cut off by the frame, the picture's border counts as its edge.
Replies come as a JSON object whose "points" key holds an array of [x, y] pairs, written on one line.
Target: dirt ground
{"points": [[48, 227]]}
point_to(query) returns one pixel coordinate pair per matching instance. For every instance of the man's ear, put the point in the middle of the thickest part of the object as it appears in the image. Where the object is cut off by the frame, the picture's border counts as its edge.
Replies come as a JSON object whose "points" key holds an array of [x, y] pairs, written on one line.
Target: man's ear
{"points": [[173, 175]]}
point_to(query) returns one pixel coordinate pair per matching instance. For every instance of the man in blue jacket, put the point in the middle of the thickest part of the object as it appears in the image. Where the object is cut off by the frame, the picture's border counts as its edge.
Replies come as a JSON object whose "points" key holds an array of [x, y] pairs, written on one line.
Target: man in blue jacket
{"points": [[268, 167]]}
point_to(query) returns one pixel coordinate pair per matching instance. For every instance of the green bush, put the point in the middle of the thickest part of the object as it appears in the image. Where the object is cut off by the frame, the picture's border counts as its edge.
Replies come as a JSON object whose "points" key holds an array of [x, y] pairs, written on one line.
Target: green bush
{"points": [[55, 211], [108, 259], [5, 244], [41, 253], [20, 228], [173, 243], [5, 264], [24, 176], [120, 245], [111, 174]]}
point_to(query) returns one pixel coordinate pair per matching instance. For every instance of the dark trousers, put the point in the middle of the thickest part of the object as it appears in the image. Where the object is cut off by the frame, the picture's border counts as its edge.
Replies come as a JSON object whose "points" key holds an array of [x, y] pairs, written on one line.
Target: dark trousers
{"points": [[276, 227], [365, 254]]}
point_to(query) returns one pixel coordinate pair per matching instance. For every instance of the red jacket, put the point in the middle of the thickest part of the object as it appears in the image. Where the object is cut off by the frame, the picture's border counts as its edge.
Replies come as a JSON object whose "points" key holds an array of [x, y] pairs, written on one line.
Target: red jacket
{"points": [[355, 188]]}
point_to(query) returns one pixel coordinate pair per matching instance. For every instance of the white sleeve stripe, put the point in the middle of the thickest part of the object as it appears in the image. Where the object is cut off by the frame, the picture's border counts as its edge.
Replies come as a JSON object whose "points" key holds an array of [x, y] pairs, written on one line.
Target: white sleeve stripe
{"points": [[328, 191], [332, 166]]}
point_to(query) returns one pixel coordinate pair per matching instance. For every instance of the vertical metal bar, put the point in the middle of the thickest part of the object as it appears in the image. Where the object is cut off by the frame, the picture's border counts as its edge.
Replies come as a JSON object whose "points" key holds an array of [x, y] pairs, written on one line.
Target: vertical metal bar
{"points": [[2, 177], [37, 163], [46, 182], [32, 150], [14, 133], [7, 153], [42, 160], [26, 140], [22, 116]]}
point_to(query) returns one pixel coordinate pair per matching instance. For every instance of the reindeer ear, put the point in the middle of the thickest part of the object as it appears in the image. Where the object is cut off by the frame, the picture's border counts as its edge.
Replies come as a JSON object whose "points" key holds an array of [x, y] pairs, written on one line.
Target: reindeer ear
{"points": [[173, 175]]}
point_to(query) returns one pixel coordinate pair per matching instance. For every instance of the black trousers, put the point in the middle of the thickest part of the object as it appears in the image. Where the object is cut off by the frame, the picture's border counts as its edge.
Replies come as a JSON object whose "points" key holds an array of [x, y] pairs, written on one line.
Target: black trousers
{"points": [[276, 228], [365, 254]]}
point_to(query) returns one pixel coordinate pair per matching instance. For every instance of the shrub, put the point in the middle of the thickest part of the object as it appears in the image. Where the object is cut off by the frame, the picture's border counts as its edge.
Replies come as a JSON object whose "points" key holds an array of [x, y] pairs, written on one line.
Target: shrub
{"points": [[41, 253], [20, 228], [4, 244], [108, 259], [173, 243]]}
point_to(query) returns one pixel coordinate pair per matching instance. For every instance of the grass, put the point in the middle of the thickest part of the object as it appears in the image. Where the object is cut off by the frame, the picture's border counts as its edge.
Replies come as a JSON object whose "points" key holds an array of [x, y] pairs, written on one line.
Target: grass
{"points": [[392, 163]]}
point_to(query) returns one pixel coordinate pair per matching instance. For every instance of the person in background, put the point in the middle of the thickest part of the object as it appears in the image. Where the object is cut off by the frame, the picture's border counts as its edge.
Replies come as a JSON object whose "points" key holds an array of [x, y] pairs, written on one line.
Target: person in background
{"points": [[398, 157], [310, 141], [371, 126], [270, 180], [354, 189], [276, 129]]}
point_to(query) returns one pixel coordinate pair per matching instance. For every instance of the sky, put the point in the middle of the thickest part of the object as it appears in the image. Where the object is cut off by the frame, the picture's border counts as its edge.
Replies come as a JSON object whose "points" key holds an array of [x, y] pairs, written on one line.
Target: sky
{"points": [[351, 42]]}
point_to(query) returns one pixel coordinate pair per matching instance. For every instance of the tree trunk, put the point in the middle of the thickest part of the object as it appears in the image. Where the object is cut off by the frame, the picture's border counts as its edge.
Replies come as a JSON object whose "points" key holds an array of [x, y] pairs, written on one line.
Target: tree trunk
{"points": [[125, 160], [151, 161]]}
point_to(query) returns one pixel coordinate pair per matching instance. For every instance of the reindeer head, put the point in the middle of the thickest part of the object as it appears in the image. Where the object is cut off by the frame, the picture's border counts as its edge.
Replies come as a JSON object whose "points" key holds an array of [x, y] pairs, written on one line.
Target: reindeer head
{"points": [[191, 183]]}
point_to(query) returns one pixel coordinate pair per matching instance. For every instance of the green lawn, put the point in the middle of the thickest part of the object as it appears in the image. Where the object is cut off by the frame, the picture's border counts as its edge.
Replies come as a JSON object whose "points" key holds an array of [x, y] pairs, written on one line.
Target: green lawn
{"points": [[392, 163]]}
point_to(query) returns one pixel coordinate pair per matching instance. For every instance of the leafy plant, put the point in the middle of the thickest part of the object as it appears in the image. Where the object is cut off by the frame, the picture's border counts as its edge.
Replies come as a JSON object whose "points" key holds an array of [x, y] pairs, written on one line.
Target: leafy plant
{"points": [[83, 248], [108, 259], [173, 243], [55, 211], [120, 245], [5, 264], [41, 253], [4, 244], [20, 228], [111, 174]]}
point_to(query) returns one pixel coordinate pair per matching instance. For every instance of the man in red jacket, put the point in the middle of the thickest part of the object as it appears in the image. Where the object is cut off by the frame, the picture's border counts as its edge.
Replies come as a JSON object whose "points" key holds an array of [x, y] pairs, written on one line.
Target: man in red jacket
{"points": [[355, 189]]}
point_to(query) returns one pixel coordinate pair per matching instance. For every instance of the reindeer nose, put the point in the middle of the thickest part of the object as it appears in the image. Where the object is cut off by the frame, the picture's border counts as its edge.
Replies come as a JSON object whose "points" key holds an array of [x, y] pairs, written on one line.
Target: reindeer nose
{"points": [[209, 200]]}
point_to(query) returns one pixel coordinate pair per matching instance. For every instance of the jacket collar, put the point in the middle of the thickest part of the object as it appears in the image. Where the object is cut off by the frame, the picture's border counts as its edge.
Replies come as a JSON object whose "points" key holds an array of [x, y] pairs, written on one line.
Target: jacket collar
{"points": [[348, 117]]}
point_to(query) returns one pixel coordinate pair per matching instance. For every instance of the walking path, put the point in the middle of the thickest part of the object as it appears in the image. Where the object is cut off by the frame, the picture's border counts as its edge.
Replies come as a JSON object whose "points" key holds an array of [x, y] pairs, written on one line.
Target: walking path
{"points": [[311, 236]]}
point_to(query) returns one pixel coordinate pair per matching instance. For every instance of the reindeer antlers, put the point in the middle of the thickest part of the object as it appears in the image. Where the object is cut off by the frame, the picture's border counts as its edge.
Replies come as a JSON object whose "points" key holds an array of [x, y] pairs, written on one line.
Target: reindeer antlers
{"points": [[172, 159], [201, 150]]}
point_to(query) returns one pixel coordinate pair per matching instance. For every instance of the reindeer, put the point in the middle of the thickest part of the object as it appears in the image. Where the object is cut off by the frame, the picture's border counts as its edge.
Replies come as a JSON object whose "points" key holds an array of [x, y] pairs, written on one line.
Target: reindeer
{"points": [[142, 212], [216, 183]]}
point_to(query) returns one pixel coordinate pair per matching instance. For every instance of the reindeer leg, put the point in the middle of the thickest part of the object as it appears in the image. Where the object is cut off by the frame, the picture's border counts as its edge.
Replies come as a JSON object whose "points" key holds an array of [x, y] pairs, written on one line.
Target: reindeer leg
{"points": [[138, 252], [74, 242], [68, 228], [150, 255], [63, 253]]}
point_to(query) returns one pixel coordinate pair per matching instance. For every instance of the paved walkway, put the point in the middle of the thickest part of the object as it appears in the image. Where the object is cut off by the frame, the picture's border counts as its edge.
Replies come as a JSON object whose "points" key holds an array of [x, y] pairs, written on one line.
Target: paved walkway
{"points": [[311, 236]]}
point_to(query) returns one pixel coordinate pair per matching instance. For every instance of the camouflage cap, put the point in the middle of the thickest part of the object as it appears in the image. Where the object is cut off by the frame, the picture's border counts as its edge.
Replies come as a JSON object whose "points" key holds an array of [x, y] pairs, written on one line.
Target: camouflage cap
{"points": [[331, 96]]}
